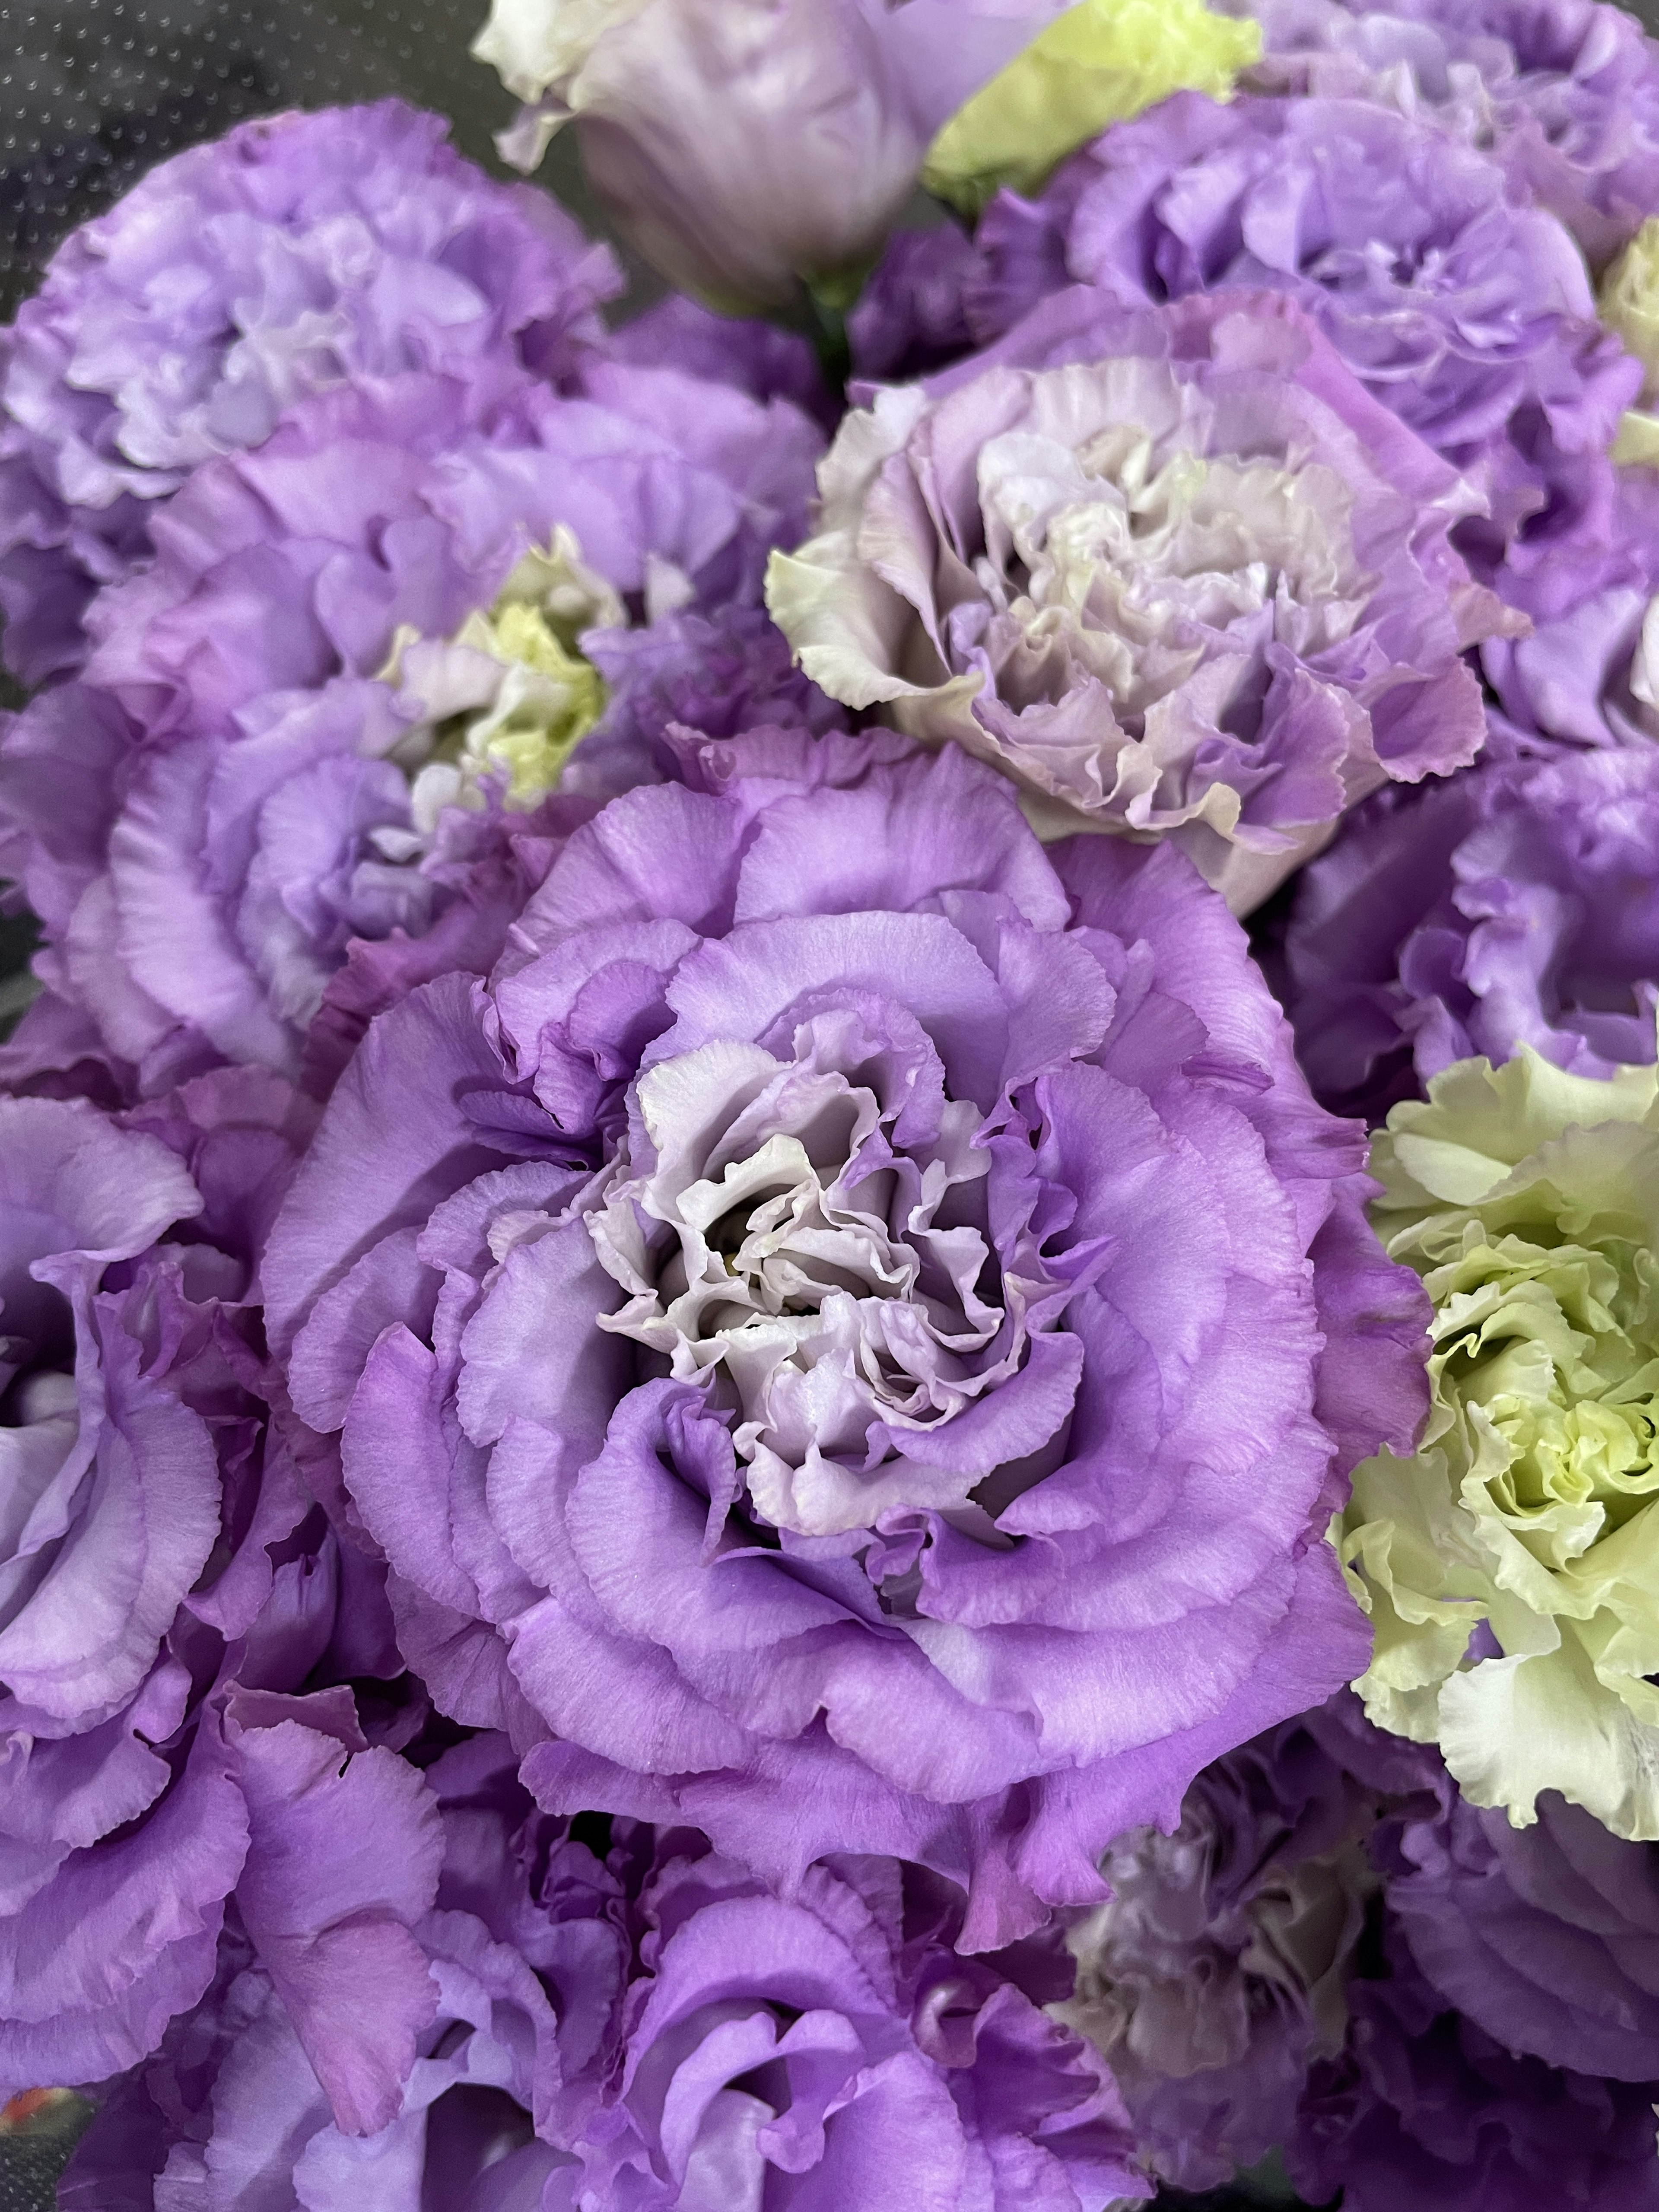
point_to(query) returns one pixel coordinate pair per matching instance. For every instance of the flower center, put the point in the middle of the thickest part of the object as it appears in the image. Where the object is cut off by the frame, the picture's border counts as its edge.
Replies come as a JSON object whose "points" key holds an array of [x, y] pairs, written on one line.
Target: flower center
{"points": [[504, 702], [810, 1235], [1124, 560], [1562, 1405]]}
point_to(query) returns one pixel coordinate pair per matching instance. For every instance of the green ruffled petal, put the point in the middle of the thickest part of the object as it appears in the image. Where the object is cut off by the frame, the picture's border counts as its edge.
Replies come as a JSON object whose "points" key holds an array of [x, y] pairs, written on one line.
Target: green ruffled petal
{"points": [[1098, 64], [1528, 1199]]}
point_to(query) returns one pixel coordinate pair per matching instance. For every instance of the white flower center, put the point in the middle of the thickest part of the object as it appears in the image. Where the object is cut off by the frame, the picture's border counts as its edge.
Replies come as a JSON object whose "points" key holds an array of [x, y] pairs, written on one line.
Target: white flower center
{"points": [[840, 1277], [1131, 564]]}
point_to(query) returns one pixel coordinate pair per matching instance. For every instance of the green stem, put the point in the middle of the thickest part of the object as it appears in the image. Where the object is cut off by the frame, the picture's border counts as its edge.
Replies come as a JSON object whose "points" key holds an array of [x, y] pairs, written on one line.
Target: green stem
{"points": [[827, 328]]}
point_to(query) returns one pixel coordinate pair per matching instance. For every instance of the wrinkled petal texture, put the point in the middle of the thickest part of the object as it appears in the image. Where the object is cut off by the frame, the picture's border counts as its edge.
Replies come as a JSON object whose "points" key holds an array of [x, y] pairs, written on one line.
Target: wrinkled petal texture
{"points": [[1508, 1564], [1171, 568], [241, 817], [1565, 97], [1463, 308], [161, 1558], [1514, 905], [297, 253], [855, 1329]]}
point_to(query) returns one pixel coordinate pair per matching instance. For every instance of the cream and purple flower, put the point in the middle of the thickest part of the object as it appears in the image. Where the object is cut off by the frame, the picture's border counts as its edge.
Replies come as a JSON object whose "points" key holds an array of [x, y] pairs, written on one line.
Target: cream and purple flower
{"points": [[1171, 570], [1462, 308]]}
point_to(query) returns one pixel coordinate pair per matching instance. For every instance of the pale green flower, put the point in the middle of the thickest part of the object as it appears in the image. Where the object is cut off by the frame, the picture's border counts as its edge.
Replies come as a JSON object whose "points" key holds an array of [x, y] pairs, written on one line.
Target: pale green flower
{"points": [[1100, 63], [1629, 303], [1528, 1199]]}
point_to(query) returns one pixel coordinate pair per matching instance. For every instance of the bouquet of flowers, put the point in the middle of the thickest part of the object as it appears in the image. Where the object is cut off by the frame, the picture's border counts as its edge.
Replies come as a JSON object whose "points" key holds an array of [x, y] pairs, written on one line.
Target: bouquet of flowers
{"points": [[830, 1233]]}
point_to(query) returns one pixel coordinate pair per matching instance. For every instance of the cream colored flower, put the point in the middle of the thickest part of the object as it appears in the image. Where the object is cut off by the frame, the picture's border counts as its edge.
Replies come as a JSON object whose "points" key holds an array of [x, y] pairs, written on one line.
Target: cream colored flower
{"points": [[1629, 301]]}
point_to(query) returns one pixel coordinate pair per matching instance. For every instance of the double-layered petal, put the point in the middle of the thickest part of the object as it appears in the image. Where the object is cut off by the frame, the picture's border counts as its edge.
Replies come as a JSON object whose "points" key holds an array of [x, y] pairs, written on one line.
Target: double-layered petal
{"points": [[1172, 570], [853, 1332], [332, 710]]}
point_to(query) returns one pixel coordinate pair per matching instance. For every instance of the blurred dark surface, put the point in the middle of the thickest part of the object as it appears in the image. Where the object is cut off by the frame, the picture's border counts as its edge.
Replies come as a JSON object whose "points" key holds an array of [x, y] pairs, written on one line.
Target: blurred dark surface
{"points": [[37, 2135]]}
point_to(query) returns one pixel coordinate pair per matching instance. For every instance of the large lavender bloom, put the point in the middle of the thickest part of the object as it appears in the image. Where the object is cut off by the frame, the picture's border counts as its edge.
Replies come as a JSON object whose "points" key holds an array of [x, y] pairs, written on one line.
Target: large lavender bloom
{"points": [[1469, 315], [332, 708], [1563, 93], [296, 252], [1518, 904], [169, 1588], [1173, 570], [791, 1343]]}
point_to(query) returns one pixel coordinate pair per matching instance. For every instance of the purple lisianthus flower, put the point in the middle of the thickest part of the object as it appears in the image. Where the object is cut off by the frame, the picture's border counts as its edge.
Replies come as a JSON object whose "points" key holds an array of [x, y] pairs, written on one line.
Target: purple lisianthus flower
{"points": [[788, 1338], [1563, 93], [246, 879], [297, 253], [1335, 1952], [230, 2103], [169, 1586], [1171, 569], [1545, 1937], [646, 2026], [404, 503], [1515, 905], [501, 1908], [333, 709], [834, 2050], [1425, 2107], [1468, 315]]}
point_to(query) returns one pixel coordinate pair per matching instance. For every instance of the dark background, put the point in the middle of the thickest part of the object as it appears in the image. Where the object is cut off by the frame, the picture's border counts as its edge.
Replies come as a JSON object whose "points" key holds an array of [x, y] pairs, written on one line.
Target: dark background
{"points": [[92, 94]]}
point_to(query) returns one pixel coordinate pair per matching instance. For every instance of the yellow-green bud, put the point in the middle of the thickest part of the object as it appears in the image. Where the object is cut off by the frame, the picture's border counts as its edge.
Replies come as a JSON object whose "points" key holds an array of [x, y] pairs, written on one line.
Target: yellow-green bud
{"points": [[548, 700], [1100, 63]]}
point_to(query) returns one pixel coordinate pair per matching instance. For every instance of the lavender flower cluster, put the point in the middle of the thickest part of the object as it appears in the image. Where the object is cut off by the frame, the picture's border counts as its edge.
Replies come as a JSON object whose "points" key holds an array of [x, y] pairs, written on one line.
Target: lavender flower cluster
{"points": [[736, 1482]]}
